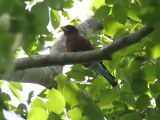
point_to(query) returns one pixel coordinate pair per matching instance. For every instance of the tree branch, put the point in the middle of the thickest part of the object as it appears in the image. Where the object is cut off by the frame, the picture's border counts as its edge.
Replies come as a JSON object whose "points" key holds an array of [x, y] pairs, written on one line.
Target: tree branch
{"points": [[82, 57]]}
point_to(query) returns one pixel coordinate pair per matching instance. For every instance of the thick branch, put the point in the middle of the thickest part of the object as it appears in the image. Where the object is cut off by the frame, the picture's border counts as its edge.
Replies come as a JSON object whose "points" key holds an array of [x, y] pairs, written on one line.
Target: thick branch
{"points": [[82, 57]]}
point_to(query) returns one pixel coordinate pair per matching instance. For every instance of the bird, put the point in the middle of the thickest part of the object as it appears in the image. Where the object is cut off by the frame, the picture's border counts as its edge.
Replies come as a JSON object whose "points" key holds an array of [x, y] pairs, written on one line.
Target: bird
{"points": [[74, 42]]}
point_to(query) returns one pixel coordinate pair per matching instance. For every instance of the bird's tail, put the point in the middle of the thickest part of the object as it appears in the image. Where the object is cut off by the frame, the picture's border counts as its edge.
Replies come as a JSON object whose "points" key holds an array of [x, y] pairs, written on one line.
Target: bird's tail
{"points": [[102, 70]]}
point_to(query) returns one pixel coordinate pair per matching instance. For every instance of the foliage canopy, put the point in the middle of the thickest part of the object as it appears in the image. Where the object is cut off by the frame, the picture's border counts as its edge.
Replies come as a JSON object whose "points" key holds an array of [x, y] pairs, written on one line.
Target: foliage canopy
{"points": [[137, 67]]}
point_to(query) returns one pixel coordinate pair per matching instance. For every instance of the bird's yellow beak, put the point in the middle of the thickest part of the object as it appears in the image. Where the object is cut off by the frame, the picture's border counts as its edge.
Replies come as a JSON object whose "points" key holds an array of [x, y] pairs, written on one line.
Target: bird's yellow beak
{"points": [[64, 28]]}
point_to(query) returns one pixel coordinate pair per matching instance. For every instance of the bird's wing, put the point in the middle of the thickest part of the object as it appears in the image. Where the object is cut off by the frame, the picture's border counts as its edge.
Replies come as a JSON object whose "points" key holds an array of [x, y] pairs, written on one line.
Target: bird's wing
{"points": [[86, 45], [77, 43]]}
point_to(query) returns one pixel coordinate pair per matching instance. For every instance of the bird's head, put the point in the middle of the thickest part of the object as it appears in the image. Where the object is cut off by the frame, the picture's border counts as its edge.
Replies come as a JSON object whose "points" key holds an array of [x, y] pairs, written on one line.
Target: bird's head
{"points": [[69, 30]]}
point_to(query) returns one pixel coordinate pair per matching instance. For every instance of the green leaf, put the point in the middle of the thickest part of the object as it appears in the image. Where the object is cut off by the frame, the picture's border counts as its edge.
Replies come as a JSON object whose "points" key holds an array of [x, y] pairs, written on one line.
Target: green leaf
{"points": [[11, 107], [55, 18], [118, 105], [17, 85], [149, 14], [68, 4], [2, 115], [56, 4], [134, 68], [128, 98], [143, 3], [126, 87], [130, 50], [119, 13], [5, 7], [38, 103], [125, 3], [142, 102], [132, 116], [15, 92], [79, 68], [75, 22], [96, 4], [150, 72], [56, 101], [157, 66], [5, 98], [111, 26], [109, 95], [153, 114], [54, 116], [94, 88], [37, 113], [22, 110], [155, 89], [61, 80], [40, 20], [78, 73], [102, 12], [72, 94], [66, 14], [31, 94], [75, 114], [133, 12], [158, 102], [155, 51], [111, 2], [1, 83], [92, 112], [106, 39], [7, 40], [42, 94], [139, 86]]}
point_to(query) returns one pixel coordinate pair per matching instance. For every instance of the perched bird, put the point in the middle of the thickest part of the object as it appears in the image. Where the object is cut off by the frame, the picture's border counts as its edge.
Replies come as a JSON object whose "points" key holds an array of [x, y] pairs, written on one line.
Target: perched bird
{"points": [[74, 42]]}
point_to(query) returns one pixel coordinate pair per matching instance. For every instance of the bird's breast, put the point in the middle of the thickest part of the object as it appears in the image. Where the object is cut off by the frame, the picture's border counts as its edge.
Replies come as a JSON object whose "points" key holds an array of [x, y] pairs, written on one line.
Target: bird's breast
{"points": [[71, 46]]}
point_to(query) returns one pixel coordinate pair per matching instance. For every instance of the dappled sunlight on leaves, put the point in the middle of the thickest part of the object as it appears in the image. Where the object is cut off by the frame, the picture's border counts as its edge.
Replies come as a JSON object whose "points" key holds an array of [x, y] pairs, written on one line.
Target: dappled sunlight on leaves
{"points": [[81, 94]]}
